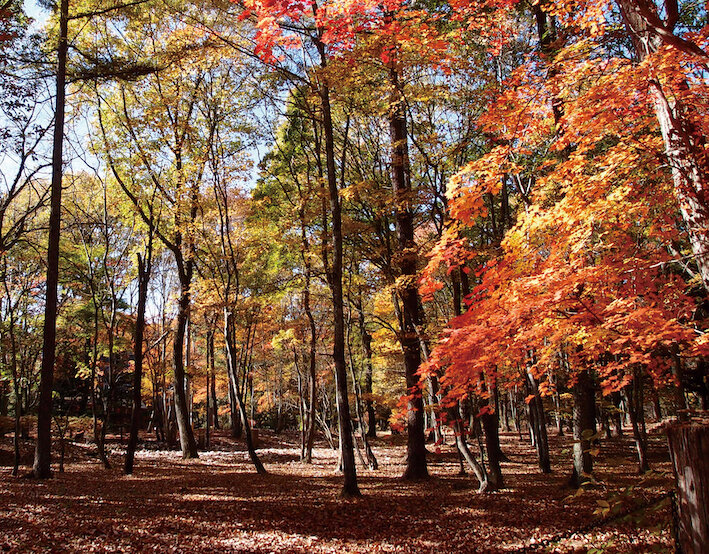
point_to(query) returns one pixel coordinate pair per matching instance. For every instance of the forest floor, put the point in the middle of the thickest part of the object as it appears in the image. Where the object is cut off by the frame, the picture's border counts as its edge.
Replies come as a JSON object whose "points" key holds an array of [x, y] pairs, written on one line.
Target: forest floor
{"points": [[219, 504]]}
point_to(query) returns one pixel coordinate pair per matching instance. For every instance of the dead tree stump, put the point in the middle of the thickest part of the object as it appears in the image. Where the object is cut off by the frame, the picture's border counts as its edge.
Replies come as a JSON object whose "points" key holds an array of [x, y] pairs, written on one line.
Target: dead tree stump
{"points": [[689, 449]]}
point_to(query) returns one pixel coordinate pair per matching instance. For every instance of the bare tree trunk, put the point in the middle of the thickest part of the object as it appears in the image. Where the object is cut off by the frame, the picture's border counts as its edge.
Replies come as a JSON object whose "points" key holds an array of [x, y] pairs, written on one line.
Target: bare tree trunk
{"points": [[215, 404], [371, 459], [18, 403], [14, 373], [43, 450], [302, 408], [4, 399], [334, 272], [416, 467], [683, 141], [617, 413], [504, 412], [187, 441], [236, 425], [189, 393], [368, 369], [678, 373], [584, 428], [514, 408], [143, 281], [689, 450], [554, 378], [207, 412], [537, 424], [485, 484], [635, 399], [656, 403], [237, 392], [211, 387], [18, 425], [310, 428]]}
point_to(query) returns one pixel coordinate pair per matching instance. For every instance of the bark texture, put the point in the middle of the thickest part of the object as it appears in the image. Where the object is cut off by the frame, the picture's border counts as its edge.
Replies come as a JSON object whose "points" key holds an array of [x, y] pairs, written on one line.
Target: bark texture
{"points": [[334, 277], [689, 449], [406, 286], [43, 450], [584, 418]]}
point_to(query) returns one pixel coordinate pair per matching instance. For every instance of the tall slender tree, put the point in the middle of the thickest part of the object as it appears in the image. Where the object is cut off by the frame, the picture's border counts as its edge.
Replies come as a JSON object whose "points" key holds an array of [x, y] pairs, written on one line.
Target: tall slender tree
{"points": [[43, 450]]}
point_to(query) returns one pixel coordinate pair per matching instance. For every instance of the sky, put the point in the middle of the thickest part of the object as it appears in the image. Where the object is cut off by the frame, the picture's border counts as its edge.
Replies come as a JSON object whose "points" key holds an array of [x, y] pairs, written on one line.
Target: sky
{"points": [[35, 12], [8, 168]]}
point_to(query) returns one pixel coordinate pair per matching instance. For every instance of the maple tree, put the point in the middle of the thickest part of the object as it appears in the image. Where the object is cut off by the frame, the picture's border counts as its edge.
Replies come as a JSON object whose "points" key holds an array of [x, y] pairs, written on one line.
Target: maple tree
{"points": [[599, 218], [469, 220], [269, 35]]}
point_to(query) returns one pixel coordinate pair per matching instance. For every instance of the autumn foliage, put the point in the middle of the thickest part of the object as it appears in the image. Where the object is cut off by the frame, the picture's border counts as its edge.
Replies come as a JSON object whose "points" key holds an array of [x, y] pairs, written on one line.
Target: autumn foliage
{"points": [[589, 275], [321, 223]]}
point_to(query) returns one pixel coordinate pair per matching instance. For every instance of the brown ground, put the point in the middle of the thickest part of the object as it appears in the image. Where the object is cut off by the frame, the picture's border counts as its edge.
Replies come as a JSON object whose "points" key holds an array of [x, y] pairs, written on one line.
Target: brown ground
{"points": [[218, 504]]}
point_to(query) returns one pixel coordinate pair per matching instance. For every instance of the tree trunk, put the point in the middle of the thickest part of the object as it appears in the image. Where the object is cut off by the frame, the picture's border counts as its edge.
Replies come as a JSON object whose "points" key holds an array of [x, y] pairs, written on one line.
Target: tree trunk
{"points": [[237, 391], [503, 419], [490, 423], [636, 409], [4, 399], [236, 426], [656, 403], [537, 424], [18, 403], [207, 413], [211, 392], [350, 487], [689, 450], [143, 281], [678, 373], [416, 467], [514, 409], [43, 450], [617, 413], [14, 374], [187, 441], [313, 338], [485, 484], [554, 378], [371, 460], [16, 438], [302, 407], [368, 369], [215, 404], [584, 428]]}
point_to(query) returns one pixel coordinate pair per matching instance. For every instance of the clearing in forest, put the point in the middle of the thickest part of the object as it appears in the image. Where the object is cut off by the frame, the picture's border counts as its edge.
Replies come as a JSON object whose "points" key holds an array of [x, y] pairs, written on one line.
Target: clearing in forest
{"points": [[218, 504]]}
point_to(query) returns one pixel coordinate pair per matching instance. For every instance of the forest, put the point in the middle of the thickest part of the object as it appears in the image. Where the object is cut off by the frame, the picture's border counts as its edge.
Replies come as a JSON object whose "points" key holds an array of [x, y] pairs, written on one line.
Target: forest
{"points": [[354, 276]]}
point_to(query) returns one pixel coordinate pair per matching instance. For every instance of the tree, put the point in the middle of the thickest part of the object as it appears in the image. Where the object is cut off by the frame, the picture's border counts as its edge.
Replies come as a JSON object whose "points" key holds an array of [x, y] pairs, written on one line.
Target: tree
{"points": [[224, 278], [95, 266], [172, 167], [579, 272], [21, 274], [43, 452], [683, 134], [144, 270], [293, 168], [268, 35]]}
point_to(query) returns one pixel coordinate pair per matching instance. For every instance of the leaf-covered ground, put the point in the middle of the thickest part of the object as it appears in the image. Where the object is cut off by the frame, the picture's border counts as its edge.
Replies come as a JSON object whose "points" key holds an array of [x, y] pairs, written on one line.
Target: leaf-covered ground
{"points": [[219, 504]]}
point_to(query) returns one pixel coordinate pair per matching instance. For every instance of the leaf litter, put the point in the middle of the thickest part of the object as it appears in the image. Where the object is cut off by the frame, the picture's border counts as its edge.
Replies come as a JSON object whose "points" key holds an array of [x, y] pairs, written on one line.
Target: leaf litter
{"points": [[217, 503]]}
